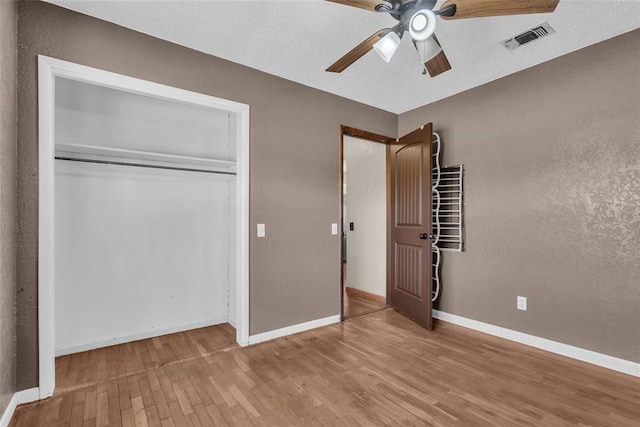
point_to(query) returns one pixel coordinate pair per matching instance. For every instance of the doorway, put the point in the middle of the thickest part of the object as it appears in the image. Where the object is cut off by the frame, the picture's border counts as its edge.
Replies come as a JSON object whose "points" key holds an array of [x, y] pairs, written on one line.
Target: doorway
{"points": [[364, 226], [407, 224], [364, 222], [136, 180]]}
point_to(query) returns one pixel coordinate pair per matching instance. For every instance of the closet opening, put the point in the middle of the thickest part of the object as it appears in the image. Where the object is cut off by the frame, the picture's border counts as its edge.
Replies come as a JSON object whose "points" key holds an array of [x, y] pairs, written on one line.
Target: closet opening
{"points": [[143, 211]]}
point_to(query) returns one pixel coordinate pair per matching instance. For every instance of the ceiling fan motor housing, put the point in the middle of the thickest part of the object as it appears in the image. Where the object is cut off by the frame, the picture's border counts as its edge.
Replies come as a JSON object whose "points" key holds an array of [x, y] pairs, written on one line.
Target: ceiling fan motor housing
{"points": [[415, 16]]}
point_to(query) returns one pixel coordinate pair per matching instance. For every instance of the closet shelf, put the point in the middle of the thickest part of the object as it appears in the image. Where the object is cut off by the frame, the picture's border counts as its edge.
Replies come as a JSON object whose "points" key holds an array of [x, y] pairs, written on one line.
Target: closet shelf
{"points": [[92, 153]]}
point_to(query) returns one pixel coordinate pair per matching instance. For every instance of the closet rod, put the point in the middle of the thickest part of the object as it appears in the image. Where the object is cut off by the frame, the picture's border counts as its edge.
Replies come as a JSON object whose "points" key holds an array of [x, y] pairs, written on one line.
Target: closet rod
{"points": [[142, 165]]}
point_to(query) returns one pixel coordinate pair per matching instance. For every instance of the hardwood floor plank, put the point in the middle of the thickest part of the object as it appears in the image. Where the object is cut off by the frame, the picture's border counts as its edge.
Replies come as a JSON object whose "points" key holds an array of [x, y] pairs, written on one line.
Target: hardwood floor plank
{"points": [[64, 411], [123, 395], [128, 418], [161, 405], [139, 413], [90, 405], [102, 409], [183, 400], [115, 416], [177, 415], [77, 411], [243, 401], [153, 416]]}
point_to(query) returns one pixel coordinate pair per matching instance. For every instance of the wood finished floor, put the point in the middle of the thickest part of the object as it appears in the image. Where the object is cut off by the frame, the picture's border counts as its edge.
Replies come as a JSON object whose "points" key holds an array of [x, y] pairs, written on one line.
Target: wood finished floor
{"points": [[378, 369], [357, 304]]}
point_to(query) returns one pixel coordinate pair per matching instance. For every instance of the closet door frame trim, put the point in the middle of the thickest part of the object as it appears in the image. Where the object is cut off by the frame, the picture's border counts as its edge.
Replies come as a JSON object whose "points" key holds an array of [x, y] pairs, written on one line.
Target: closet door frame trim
{"points": [[48, 70]]}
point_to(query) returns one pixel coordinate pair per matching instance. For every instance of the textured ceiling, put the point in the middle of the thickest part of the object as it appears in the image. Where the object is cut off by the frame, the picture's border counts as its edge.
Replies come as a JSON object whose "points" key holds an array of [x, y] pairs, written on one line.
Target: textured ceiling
{"points": [[299, 39]]}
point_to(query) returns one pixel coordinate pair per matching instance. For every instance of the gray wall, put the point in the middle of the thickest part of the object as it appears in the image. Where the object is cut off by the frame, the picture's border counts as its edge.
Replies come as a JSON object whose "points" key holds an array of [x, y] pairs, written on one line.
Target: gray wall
{"points": [[8, 64], [552, 159], [295, 270]]}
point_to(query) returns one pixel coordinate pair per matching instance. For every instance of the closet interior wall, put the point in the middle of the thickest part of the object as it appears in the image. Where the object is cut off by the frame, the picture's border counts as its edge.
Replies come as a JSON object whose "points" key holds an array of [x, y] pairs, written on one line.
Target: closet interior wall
{"points": [[143, 216]]}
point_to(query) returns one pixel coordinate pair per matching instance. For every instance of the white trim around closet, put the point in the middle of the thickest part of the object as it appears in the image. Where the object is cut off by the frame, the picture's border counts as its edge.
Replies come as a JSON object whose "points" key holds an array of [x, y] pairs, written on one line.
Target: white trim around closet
{"points": [[48, 70]]}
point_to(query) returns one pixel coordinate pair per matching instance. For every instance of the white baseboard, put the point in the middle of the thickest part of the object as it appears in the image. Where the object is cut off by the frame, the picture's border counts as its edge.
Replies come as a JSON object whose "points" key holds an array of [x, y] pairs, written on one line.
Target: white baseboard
{"points": [[134, 336], [606, 361], [293, 329], [18, 398], [232, 322]]}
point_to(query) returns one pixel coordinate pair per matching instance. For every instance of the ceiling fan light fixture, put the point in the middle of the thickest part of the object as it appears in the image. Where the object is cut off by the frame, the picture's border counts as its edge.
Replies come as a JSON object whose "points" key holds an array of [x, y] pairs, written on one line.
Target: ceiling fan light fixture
{"points": [[427, 49], [387, 45], [422, 24]]}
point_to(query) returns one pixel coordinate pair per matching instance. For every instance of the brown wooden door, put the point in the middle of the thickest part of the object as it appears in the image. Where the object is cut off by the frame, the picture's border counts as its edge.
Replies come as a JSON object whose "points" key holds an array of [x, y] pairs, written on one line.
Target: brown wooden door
{"points": [[409, 257]]}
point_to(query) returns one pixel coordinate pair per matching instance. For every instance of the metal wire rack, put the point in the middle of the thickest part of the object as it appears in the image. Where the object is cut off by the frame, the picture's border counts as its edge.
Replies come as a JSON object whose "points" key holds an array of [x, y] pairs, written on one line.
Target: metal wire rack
{"points": [[447, 208]]}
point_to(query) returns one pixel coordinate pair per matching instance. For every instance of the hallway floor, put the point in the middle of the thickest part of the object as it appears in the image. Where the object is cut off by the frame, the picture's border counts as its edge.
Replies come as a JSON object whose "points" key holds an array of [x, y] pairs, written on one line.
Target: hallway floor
{"points": [[357, 303]]}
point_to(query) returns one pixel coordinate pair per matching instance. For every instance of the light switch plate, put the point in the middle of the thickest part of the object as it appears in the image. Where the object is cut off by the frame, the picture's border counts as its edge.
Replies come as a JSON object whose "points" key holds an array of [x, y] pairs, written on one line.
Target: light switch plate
{"points": [[261, 230], [334, 229], [522, 303]]}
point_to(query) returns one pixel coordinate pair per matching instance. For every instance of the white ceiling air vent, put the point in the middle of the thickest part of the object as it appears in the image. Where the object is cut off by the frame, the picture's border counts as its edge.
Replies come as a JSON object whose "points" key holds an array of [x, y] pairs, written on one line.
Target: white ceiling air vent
{"points": [[534, 33]]}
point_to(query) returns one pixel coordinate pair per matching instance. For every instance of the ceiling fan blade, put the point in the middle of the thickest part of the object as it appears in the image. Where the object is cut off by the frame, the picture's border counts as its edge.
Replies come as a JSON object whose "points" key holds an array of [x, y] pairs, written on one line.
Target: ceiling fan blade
{"points": [[357, 52], [438, 64], [362, 4], [480, 8]]}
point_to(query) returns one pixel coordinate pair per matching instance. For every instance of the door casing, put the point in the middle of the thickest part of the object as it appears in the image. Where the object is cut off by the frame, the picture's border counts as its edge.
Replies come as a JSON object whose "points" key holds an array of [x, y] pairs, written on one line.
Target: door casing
{"points": [[48, 70], [357, 133]]}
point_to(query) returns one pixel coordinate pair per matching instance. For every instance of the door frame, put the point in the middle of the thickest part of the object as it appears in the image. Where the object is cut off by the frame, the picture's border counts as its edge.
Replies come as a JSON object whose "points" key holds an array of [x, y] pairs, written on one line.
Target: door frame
{"points": [[48, 70], [369, 136]]}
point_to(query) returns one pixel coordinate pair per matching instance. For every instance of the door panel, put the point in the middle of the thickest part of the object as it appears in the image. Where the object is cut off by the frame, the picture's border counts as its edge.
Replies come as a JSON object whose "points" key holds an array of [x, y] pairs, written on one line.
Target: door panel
{"points": [[408, 269], [409, 258], [409, 183]]}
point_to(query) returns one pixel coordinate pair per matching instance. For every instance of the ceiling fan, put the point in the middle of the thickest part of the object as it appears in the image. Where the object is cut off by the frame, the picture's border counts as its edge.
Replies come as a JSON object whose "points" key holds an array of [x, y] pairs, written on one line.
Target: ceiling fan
{"points": [[419, 19]]}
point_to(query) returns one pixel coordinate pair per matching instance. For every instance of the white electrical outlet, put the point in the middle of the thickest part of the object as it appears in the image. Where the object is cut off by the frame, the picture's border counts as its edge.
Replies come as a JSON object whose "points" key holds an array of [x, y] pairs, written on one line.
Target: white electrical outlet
{"points": [[334, 229], [261, 230], [522, 303]]}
